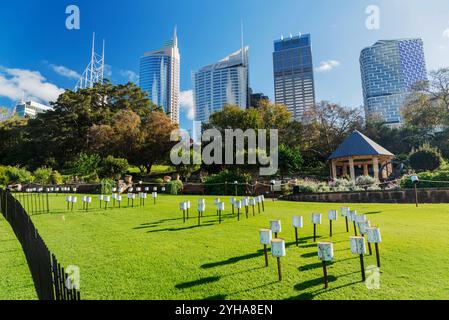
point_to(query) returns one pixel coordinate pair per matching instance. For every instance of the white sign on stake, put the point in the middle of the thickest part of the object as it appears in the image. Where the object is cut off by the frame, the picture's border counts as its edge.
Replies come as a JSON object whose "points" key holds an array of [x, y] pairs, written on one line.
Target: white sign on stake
{"points": [[317, 218], [265, 236], [326, 251], [373, 235], [358, 245], [333, 214], [278, 248], [275, 226], [298, 222]]}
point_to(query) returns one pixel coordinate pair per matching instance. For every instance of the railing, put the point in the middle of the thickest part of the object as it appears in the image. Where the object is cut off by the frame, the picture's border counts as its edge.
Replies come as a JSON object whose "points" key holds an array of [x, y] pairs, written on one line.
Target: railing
{"points": [[50, 280]]}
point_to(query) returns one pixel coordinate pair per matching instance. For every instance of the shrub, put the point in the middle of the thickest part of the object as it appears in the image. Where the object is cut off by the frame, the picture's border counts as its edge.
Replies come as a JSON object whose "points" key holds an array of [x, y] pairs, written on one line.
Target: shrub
{"points": [[425, 158], [175, 187], [367, 182], [114, 168], [12, 175], [43, 175], [86, 165], [427, 178], [106, 186], [56, 178], [215, 184]]}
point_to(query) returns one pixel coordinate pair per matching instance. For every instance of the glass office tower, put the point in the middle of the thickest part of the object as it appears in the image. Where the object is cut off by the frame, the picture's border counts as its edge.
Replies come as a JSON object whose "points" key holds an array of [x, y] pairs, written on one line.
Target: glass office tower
{"points": [[293, 75], [222, 83], [390, 68], [160, 77]]}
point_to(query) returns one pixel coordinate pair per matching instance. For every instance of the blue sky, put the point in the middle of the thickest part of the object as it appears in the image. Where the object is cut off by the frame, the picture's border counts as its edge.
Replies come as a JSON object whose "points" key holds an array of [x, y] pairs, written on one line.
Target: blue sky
{"points": [[40, 56]]}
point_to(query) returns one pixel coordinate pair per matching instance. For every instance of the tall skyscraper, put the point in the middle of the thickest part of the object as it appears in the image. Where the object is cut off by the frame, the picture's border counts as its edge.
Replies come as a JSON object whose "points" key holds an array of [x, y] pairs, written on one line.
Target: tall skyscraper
{"points": [[293, 75], [160, 77], [389, 70], [225, 82]]}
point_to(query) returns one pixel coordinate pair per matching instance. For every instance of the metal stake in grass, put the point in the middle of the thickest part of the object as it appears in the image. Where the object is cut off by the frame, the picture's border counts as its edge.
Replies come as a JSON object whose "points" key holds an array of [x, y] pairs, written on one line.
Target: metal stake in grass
{"points": [[101, 197], [107, 199], [358, 247], [353, 217], [363, 226], [232, 201], [297, 223], [246, 204], [265, 236], [238, 206], [221, 208], [333, 215], [276, 227], [183, 207], [154, 197], [252, 203], [74, 200], [188, 209], [325, 254], [374, 236], [345, 213], [201, 209], [278, 251], [317, 218]]}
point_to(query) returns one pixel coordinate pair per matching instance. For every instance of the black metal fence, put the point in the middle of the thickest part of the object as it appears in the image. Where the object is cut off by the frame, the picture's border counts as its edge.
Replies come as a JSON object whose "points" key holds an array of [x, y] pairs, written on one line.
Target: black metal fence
{"points": [[50, 280]]}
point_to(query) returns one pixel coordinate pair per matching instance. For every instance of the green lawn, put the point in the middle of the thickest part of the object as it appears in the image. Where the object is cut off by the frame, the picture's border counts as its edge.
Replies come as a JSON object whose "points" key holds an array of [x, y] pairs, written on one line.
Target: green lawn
{"points": [[15, 278], [149, 253]]}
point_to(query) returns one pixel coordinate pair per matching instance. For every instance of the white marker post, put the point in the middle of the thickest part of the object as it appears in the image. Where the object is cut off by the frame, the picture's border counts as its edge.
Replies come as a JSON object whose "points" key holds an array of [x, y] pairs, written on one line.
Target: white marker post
{"points": [[358, 247], [345, 213], [131, 196], [257, 199], [119, 200], [265, 236], [353, 217], [183, 208], [154, 197], [221, 208], [216, 202], [88, 201], [143, 197], [202, 201], [68, 199], [101, 197], [317, 218], [325, 254], [333, 216], [276, 227], [246, 205], [84, 200], [374, 236], [74, 200], [107, 199], [188, 204], [297, 223], [238, 206], [363, 226], [201, 210], [232, 201], [252, 203], [278, 251], [262, 199]]}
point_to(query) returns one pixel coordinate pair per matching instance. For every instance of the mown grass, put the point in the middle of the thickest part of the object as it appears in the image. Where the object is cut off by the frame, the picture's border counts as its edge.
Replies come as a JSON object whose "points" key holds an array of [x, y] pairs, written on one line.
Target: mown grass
{"points": [[15, 279], [149, 253]]}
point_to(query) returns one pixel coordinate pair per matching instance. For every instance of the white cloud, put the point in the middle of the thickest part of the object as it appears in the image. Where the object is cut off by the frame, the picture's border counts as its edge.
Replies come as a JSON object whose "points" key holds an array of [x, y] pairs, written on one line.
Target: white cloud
{"points": [[130, 75], [187, 104], [326, 66], [446, 33], [108, 71], [65, 72], [17, 82]]}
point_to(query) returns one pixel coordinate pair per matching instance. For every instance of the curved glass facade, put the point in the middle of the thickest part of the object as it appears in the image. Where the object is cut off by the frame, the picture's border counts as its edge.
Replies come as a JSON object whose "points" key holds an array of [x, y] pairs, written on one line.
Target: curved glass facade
{"points": [[390, 68], [160, 78], [226, 82]]}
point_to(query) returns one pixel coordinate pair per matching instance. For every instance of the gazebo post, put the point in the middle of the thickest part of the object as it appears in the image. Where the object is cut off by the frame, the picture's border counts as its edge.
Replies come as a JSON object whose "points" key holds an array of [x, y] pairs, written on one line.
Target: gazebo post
{"points": [[352, 169], [334, 170], [376, 167], [365, 170]]}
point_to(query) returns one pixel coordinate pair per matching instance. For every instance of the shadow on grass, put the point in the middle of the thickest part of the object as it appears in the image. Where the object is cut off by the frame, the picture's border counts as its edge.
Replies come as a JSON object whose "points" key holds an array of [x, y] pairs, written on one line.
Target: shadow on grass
{"points": [[309, 255], [313, 283], [374, 212], [313, 266], [232, 260], [181, 229], [198, 282]]}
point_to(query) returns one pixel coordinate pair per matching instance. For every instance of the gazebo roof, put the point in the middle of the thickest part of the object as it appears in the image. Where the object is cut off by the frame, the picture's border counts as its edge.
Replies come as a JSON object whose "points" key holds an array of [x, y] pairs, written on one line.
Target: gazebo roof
{"points": [[357, 144]]}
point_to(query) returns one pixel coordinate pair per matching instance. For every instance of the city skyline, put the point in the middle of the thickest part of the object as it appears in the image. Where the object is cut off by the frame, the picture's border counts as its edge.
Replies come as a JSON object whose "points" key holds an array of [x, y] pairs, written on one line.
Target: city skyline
{"points": [[59, 54]]}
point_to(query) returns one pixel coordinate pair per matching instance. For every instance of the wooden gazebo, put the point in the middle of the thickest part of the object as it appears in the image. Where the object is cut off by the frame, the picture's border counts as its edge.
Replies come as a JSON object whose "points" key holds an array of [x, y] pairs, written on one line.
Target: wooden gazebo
{"points": [[357, 156]]}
